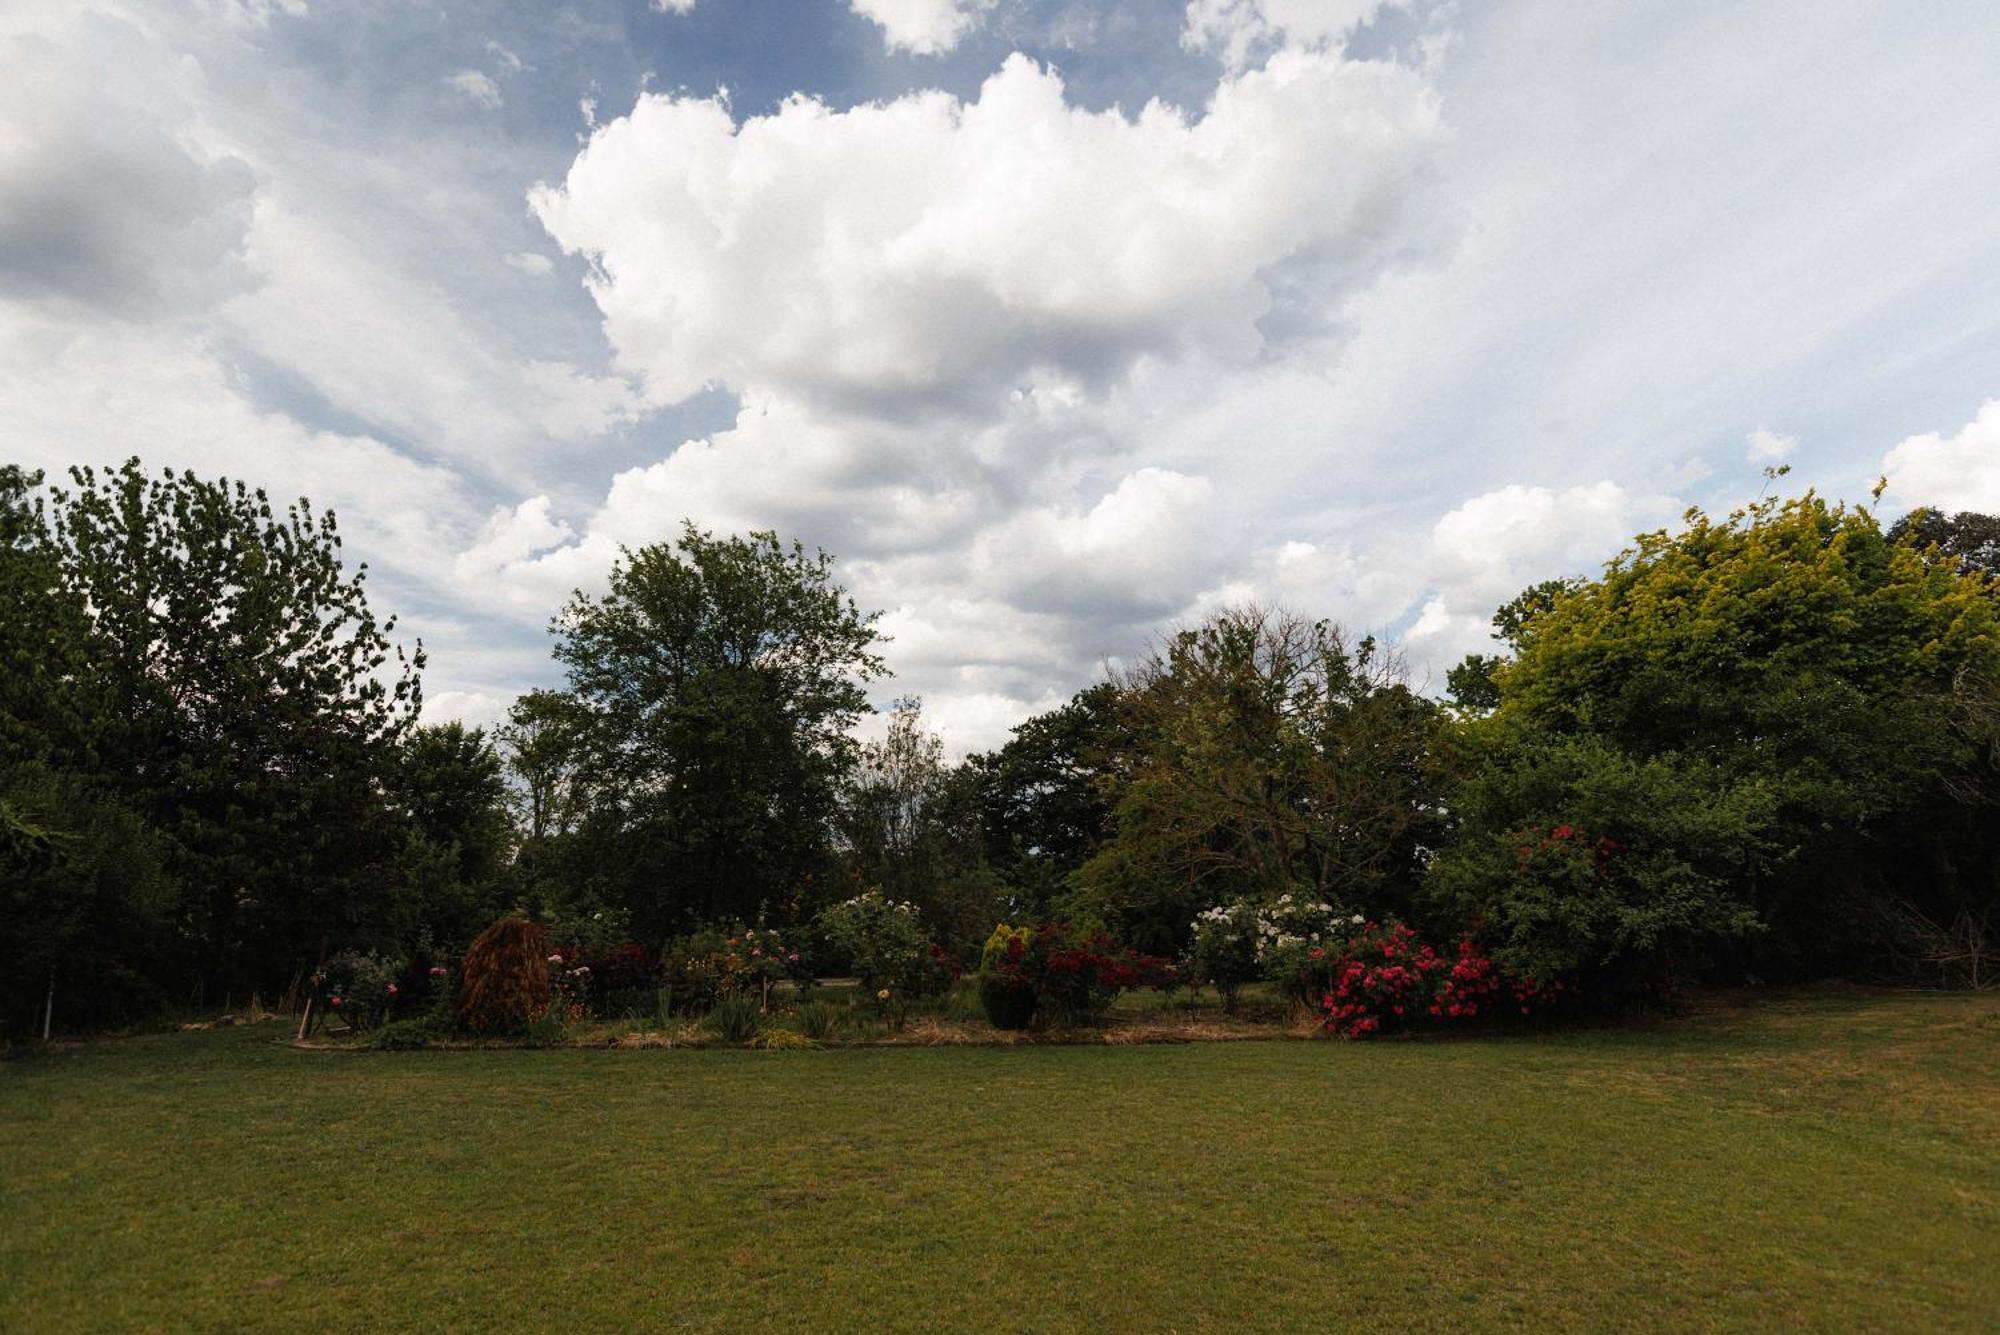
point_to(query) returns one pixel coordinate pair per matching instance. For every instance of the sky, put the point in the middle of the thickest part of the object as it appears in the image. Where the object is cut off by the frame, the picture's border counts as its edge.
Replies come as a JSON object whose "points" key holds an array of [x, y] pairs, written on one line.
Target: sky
{"points": [[1057, 322]]}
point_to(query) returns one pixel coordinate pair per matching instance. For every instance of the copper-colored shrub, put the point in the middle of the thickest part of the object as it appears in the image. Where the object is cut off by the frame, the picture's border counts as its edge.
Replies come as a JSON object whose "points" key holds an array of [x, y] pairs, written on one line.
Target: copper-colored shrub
{"points": [[504, 982]]}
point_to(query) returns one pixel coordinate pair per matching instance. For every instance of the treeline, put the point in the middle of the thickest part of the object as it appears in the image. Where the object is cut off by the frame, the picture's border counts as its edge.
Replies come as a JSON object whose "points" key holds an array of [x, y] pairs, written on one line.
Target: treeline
{"points": [[1765, 746]]}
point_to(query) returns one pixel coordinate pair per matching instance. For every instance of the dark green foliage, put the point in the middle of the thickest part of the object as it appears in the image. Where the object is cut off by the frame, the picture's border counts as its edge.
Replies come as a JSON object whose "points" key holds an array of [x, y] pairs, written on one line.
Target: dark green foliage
{"points": [[196, 699], [1971, 539], [716, 686], [543, 744], [1260, 754], [1790, 703], [1470, 685], [1619, 874], [247, 717], [448, 785], [910, 825], [1042, 799]]}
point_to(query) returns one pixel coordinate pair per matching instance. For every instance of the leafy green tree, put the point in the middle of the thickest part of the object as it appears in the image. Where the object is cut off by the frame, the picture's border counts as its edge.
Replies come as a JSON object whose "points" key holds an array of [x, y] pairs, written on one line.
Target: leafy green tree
{"points": [[84, 899], [1041, 797], [718, 682], [245, 709], [450, 788], [907, 828], [1971, 539], [1792, 649], [88, 909], [1471, 685], [1258, 754], [544, 746], [542, 742]]}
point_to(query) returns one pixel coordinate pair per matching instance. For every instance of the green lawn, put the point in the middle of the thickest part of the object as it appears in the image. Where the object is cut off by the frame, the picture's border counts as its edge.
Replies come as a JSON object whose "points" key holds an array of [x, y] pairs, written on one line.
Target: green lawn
{"points": [[1827, 1160]]}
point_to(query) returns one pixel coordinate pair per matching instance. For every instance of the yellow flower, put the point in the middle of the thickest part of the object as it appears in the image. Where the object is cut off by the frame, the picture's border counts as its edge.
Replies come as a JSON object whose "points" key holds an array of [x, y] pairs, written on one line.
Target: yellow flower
{"points": [[883, 995]]}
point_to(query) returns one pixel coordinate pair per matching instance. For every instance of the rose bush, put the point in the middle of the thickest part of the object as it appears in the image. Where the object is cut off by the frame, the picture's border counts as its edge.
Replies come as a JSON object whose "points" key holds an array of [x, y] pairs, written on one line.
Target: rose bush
{"points": [[1059, 974]]}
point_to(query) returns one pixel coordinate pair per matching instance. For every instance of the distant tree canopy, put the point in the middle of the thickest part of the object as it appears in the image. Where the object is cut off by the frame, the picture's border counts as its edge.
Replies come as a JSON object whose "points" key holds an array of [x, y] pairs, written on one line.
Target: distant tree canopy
{"points": [[1259, 754], [909, 826], [1973, 540], [1766, 744], [716, 687]]}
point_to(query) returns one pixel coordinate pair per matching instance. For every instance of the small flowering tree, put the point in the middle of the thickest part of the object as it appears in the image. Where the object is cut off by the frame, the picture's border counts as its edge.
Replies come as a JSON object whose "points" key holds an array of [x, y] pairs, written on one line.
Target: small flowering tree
{"points": [[1222, 949], [1292, 941], [885, 943], [702, 967]]}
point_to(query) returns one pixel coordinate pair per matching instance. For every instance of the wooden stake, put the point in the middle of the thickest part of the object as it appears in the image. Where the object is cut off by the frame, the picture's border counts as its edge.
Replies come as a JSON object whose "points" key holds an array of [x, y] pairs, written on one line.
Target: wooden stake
{"points": [[49, 1007]]}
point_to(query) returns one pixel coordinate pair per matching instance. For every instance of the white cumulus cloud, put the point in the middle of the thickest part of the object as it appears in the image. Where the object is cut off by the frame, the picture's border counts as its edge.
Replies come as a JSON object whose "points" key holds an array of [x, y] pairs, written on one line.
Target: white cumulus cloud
{"points": [[932, 248], [1951, 473], [923, 27]]}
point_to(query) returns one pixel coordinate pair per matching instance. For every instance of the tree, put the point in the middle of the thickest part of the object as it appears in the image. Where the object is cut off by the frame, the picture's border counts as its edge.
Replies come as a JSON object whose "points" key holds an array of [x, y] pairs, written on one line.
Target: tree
{"points": [[1971, 539], [908, 829], [718, 682], [1471, 685], [542, 741], [1258, 754], [244, 710], [1792, 648], [449, 788], [1042, 802]]}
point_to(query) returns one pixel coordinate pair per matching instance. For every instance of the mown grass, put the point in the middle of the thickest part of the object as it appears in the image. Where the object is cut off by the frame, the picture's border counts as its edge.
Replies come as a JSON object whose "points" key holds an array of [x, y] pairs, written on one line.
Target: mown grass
{"points": [[1826, 1160]]}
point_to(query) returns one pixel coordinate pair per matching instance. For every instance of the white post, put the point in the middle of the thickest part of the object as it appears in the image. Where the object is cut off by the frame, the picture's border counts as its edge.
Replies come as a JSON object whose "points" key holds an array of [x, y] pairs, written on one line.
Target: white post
{"points": [[49, 1007]]}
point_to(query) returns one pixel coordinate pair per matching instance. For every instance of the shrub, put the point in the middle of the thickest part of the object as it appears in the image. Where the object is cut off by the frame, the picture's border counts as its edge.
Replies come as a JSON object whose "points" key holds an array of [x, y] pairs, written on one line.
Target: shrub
{"points": [[735, 1018], [1298, 937], [1387, 981], [1581, 862], [409, 1035], [622, 981], [1222, 949], [1054, 971], [1006, 990], [884, 943], [706, 965], [504, 979], [1290, 941], [698, 968], [359, 988]]}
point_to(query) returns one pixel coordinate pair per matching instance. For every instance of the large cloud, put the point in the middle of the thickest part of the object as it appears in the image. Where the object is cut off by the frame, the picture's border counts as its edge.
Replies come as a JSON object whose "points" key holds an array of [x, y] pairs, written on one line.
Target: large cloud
{"points": [[1950, 473], [942, 316], [931, 250]]}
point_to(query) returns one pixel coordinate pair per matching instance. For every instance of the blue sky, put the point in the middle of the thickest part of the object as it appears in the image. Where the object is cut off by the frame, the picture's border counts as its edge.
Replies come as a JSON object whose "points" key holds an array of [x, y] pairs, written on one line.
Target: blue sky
{"points": [[1057, 321]]}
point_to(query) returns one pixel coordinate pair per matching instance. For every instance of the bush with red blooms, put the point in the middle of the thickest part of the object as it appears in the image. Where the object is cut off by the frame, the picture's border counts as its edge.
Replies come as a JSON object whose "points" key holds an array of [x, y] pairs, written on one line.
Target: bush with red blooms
{"points": [[609, 981], [1387, 981], [1060, 974]]}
